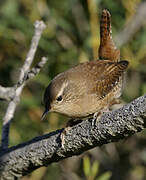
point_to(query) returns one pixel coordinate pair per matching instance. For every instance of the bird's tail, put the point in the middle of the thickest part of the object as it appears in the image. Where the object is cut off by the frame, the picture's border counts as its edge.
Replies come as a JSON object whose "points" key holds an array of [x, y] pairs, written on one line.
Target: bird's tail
{"points": [[107, 48]]}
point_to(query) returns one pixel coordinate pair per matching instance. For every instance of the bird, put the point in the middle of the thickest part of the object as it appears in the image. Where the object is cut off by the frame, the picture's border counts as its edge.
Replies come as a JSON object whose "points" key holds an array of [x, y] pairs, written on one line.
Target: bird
{"points": [[89, 87]]}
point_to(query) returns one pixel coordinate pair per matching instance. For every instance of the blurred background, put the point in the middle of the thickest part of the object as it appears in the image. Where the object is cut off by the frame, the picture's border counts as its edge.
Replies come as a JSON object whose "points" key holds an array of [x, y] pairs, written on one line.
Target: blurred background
{"points": [[72, 36]]}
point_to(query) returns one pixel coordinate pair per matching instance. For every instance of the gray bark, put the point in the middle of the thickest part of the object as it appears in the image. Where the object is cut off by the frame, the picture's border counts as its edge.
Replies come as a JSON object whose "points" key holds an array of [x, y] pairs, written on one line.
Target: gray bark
{"points": [[44, 150]]}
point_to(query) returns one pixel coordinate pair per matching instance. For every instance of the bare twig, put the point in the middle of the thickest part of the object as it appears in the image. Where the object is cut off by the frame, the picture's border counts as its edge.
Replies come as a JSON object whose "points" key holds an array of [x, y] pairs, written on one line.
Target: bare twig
{"points": [[41, 151], [133, 26], [34, 71], [7, 93], [39, 27]]}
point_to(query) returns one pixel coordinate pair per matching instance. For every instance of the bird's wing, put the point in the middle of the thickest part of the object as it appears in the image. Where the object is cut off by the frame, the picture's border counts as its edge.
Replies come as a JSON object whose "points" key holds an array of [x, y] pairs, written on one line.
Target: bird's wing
{"points": [[107, 48], [103, 76], [110, 77]]}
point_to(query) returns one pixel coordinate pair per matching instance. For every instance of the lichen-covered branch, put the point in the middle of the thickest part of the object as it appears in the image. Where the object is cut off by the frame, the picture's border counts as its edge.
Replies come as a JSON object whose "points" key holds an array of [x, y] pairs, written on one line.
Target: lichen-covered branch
{"points": [[39, 27], [41, 151]]}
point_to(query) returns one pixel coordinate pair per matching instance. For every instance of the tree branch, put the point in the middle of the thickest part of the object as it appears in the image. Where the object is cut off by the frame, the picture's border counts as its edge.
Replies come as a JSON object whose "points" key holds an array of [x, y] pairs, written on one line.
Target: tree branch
{"points": [[7, 93], [41, 151], [39, 27]]}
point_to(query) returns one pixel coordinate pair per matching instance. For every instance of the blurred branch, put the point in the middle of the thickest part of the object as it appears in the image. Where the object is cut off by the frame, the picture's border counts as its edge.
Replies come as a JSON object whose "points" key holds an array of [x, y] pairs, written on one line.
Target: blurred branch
{"points": [[39, 27], [133, 26], [44, 150], [7, 93], [80, 18]]}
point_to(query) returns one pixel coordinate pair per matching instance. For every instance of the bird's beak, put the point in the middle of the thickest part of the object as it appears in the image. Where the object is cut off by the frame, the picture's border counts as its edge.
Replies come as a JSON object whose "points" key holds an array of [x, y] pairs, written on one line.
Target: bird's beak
{"points": [[44, 114]]}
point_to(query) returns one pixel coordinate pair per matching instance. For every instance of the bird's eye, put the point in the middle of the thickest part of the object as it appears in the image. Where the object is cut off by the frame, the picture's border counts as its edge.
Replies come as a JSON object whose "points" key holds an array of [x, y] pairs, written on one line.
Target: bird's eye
{"points": [[59, 98]]}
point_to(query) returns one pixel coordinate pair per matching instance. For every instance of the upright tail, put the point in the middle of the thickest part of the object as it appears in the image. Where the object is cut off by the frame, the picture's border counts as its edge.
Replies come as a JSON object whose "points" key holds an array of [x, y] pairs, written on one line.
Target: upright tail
{"points": [[107, 49]]}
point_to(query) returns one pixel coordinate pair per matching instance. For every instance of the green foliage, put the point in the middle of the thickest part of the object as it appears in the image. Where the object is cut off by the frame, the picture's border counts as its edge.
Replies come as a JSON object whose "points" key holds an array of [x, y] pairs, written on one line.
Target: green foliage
{"points": [[91, 171], [105, 176]]}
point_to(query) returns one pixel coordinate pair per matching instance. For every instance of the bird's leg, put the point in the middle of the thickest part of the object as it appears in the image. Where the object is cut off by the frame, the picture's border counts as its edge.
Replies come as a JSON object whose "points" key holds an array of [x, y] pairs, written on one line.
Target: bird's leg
{"points": [[97, 115], [68, 126], [115, 101], [64, 132]]}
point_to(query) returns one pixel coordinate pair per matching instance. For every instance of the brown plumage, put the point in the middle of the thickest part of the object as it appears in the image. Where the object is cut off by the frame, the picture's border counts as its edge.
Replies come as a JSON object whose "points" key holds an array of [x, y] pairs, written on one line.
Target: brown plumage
{"points": [[91, 86], [85, 89], [107, 48]]}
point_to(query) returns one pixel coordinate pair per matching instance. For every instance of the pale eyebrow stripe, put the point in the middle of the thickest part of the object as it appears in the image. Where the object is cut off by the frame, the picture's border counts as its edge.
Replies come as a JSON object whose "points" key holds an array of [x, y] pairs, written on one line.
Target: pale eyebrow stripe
{"points": [[64, 85]]}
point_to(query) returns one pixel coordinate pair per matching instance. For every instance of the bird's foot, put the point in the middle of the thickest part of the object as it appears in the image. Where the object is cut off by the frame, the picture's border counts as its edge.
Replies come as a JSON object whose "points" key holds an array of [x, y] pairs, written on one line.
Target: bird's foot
{"points": [[114, 104], [62, 136], [97, 116], [69, 124]]}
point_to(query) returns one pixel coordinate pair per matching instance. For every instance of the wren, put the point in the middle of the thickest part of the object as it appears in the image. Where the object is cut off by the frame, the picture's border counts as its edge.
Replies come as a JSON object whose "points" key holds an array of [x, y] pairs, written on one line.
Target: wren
{"points": [[92, 86]]}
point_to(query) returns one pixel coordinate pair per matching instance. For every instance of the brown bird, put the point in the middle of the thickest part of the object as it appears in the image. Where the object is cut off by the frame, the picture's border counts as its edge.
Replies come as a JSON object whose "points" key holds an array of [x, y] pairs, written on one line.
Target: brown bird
{"points": [[89, 87]]}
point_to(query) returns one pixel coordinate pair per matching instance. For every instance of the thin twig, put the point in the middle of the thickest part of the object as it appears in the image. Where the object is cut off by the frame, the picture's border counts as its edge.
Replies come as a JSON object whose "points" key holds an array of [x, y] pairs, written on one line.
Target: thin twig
{"points": [[34, 71], [7, 93], [39, 27]]}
